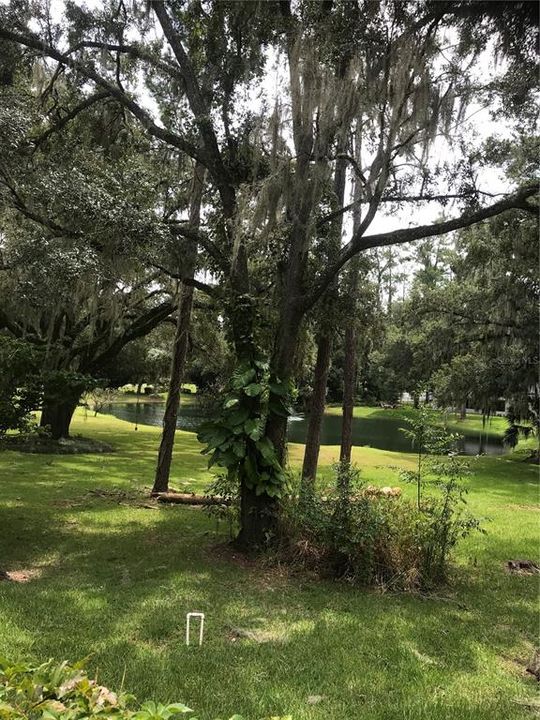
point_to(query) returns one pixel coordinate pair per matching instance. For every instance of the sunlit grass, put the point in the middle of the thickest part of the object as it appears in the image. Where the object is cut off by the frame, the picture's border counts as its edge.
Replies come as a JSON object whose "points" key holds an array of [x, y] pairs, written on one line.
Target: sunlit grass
{"points": [[114, 579], [473, 424]]}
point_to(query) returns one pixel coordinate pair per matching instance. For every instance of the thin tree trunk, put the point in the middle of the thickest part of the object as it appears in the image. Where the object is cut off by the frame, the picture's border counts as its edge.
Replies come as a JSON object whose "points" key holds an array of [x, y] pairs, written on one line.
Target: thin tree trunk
{"points": [[349, 386], [163, 469], [170, 417], [324, 349], [350, 365], [317, 405]]}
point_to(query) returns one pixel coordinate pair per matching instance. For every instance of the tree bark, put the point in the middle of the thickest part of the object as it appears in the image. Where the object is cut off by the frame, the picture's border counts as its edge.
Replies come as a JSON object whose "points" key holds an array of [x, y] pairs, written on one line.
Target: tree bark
{"points": [[324, 347], [163, 469], [317, 405], [350, 366], [57, 415], [349, 386], [258, 520]]}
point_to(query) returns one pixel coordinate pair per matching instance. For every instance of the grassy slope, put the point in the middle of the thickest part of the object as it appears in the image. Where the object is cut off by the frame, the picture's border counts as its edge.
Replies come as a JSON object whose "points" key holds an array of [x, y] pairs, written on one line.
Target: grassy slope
{"points": [[118, 579], [472, 425]]}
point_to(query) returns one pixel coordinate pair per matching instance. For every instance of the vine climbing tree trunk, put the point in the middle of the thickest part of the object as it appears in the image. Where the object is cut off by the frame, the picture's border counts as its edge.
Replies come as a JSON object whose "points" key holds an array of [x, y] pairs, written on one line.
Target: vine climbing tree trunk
{"points": [[180, 347]]}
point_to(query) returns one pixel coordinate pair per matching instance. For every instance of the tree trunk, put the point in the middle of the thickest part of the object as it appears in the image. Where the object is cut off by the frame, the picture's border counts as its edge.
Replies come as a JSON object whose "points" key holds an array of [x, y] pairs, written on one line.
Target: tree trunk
{"points": [[350, 364], [349, 386], [283, 366], [324, 346], [163, 469], [161, 481], [317, 405], [258, 520], [139, 388], [57, 415], [463, 412]]}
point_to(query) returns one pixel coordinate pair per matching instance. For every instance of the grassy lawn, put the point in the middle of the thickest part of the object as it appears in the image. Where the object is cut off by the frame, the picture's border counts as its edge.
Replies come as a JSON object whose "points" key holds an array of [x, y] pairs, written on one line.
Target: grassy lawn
{"points": [[113, 579], [472, 425]]}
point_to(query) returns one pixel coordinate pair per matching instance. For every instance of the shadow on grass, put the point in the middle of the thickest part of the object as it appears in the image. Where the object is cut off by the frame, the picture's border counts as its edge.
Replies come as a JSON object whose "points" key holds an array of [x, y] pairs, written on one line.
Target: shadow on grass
{"points": [[117, 581], [121, 583]]}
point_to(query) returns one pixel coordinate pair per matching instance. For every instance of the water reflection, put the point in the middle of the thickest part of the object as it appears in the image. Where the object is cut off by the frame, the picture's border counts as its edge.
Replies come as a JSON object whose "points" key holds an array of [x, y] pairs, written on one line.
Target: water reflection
{"points": [[378, 432]]}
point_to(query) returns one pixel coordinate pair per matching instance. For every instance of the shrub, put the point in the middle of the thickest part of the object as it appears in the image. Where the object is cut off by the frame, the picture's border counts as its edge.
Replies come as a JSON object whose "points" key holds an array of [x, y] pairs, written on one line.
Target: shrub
{"points": [[58, 691], [228, 510], [20, 388], [383, 540]]}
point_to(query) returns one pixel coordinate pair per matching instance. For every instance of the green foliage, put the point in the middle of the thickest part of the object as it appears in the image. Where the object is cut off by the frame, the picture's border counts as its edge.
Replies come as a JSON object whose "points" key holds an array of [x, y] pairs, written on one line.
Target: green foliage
{"points": [[236, 437], [59, 691], [371, 538], [427, 438], [20, 387], [228, 510]]}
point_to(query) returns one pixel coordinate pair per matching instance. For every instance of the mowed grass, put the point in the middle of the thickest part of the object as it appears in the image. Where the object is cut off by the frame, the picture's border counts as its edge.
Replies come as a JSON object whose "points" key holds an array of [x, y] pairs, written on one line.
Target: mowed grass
{"points": [[473, 424], [114, 580]]}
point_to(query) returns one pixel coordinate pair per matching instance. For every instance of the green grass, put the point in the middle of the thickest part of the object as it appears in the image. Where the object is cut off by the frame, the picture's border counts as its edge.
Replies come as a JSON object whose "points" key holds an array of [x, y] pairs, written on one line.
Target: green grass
{"points": [[472, 425], [114, 581]]}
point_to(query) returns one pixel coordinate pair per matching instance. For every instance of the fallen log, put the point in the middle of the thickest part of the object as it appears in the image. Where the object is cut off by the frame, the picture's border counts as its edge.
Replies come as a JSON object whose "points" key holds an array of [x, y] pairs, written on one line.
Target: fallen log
{"points": [[190, 499]]}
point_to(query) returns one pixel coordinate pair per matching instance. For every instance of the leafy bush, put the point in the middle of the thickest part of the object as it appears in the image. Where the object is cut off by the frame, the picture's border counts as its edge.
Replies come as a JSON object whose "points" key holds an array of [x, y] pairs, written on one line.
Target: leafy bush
{"points": [[58, 691], [383, 540], [20, 389], [226, 488]]}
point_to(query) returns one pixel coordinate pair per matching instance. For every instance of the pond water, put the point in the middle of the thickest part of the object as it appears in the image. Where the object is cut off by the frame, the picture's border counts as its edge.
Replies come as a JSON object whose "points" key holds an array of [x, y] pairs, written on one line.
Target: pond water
{"points": [[378, 432]]}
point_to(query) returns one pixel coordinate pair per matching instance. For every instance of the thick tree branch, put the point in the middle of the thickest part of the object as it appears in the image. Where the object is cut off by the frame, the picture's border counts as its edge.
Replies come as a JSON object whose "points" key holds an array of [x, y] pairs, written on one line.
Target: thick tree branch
{"points": [[360, 243], [146, 120], [135, 51], [410, 198], [203, 287], [140, 327]]}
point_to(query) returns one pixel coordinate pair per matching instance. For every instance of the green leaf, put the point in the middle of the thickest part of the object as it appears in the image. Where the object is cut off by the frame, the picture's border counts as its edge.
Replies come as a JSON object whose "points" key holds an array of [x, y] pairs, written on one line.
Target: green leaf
{"points": [[250, 469], [254, 428], [278, 388], [239, 448], [179, 708], [242, 379], [266, 448], [253, 389], [231, 403], [238, 417]]}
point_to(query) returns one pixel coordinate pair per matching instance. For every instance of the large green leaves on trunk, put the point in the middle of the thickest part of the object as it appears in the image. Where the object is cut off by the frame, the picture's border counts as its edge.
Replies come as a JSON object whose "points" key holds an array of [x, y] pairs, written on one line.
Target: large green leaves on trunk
{"points": [[236, 437]]}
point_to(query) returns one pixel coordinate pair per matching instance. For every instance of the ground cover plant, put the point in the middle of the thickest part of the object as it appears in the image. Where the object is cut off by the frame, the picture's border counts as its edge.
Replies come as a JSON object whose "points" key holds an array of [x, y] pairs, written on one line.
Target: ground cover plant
{"points": [[111, 574]]}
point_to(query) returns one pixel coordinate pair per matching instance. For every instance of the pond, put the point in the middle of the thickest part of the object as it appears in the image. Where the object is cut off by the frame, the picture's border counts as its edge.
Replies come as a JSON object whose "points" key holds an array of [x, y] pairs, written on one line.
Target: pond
{"points": [[378, 432]]}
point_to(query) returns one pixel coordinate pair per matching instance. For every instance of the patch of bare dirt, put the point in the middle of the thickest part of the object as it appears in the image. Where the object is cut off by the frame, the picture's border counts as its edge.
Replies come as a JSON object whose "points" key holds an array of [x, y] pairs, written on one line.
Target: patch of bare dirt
{"points": [[267, 576], [22, 576]]}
